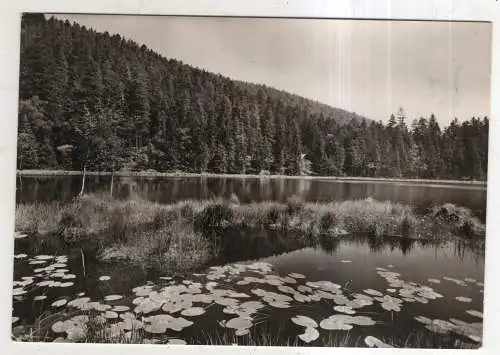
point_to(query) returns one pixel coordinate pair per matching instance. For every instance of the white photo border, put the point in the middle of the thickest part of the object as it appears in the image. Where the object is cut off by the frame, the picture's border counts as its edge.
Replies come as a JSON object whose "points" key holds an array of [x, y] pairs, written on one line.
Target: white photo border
{"points": [[10, 21]]}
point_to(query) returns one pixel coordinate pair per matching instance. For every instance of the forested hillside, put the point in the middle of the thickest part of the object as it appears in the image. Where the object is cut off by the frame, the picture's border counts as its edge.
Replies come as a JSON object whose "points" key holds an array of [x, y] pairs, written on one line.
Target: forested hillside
{"points": [[99, 101]]}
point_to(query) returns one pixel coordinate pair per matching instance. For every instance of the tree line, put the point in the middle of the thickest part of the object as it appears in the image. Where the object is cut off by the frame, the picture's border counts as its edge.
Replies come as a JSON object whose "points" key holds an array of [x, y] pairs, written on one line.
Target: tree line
{"points": [[96, 101]]}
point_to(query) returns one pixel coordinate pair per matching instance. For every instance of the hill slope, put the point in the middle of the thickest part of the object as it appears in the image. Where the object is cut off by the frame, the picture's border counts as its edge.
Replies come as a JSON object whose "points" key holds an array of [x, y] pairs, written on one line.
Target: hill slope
{"points": [[98, 101]]}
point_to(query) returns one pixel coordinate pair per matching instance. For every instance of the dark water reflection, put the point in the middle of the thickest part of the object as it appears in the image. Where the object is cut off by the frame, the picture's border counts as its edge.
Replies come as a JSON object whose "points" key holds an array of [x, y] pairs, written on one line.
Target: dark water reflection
{"points": [[353, 259], [170, 189]]}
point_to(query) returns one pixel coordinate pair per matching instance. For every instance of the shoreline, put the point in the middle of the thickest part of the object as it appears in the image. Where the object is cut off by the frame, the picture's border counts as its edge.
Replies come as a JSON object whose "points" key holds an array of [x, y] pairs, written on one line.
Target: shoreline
{"points": [[247, 176]]}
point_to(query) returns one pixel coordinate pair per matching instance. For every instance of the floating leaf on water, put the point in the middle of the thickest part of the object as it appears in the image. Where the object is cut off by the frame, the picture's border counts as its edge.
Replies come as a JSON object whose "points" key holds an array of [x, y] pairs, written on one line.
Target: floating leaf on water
{"points": [[434, 281], [309, 335], [20, 256], [120, 308], [113, 297], [78, 302], [110, 315], [390, 306], [279, 304], [44, 257], [474, 313], [66, 284], [76, 334], [252, 305], [18, 291], [440, 326], [324, 285], [168, 278], [361, 320], [39, 298], [69, 276], [131, 324], [59, 265], [101, 307], [304, 289], [468, 279], [177, 342], [238, 323], [19, 235], [344, 309], [346, 261], [287, 289], [340, 299], [391, 290], [390, 266], [104, 278], [299, 297], [127, 315], [480, 284], [373, 292], [296, 275], [423, 320], [373, 342], [304, 321], [463, 299], [193, 311], [59, 303], [241, 332], [336, 322], [37, 262], [58, 327]]}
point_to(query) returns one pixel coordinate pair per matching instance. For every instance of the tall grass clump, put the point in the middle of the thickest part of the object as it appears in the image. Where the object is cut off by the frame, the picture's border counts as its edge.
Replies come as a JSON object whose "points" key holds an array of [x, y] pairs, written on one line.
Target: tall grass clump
{"points": [[294, 204], [214, 216]]}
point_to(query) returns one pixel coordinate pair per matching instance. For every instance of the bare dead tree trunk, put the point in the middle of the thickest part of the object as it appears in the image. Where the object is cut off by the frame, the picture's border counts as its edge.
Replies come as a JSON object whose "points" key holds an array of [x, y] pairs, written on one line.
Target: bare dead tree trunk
{"points": [[83, 180]]}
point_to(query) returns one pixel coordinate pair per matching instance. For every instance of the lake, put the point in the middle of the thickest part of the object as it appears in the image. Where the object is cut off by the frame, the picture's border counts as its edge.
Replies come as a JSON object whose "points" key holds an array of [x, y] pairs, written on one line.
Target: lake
{"points": [[386, 282], [165, 190]]}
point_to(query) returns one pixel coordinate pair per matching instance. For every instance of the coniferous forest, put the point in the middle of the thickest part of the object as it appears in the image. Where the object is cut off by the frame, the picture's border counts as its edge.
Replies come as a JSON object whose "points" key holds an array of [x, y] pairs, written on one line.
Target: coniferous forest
{"points": [[104, 103]]}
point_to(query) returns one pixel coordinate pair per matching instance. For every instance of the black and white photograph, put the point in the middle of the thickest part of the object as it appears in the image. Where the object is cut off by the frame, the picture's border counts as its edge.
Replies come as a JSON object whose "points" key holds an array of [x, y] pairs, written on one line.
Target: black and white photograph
{"points": [[202, 180]]}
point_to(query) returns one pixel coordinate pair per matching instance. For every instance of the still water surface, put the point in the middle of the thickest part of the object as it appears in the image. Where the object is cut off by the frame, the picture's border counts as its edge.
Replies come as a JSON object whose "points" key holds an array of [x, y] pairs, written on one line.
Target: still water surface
{"points": [[351, 261]]}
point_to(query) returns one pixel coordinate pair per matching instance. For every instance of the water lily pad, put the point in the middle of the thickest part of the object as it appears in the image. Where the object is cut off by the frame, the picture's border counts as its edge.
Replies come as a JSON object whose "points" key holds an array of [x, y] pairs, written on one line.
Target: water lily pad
{"points": [[336, 322], [19, 235], [469, 279], [238, 323], [346, 261], [423, 320], [390, 306], [373, 292], [39, 298], [310, 334], [78, 302], [110, 315], [113, 297], [463, 299], [304, 321], [101, 307], [296, 275], [340, 299], [299, 297], [475, 313], [373, 342], [176, 342], [304, 289], [20, 256], [241, 332], [193, 311], [18, 291], [104, 278], [66, 284], [59, 303], [286, 289], [361, 320], [120, 308], [344, 309]]}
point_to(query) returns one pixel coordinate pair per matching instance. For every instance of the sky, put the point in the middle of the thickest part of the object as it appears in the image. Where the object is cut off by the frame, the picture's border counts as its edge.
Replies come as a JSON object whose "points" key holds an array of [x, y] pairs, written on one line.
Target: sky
{"points": [[370, 67]]}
